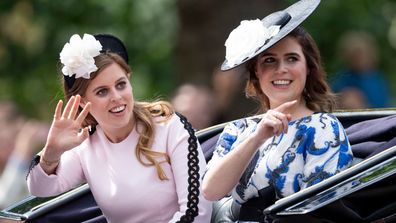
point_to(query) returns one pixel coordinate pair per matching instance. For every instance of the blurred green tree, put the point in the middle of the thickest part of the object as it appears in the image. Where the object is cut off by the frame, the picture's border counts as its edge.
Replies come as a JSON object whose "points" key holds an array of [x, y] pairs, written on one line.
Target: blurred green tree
{"points": [[169, 41], [32, 33]]}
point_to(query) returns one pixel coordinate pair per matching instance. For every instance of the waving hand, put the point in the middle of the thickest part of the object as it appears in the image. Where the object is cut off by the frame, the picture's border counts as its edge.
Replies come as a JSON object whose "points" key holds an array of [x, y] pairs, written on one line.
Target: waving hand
{"points": [[66, 131]]}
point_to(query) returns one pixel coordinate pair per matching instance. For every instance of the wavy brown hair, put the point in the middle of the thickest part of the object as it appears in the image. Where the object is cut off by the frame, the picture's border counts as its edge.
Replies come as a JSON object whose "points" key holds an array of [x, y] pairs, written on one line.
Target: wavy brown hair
{"points": [[144, 113], [317, 93]]}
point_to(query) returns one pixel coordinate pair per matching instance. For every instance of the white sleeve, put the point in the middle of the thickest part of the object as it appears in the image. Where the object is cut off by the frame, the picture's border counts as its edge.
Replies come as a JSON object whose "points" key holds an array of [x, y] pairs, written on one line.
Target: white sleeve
{"points": [[68, 175]]}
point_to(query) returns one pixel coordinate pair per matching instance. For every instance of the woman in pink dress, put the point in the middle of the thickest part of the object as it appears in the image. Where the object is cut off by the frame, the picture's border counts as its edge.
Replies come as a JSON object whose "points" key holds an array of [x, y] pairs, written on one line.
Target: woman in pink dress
{"points": [[133, 155]]}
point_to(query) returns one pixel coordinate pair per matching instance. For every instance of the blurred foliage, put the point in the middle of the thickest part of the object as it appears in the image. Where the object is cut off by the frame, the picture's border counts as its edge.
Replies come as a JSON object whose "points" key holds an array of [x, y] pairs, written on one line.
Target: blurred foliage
{"points": [[33, 33]]}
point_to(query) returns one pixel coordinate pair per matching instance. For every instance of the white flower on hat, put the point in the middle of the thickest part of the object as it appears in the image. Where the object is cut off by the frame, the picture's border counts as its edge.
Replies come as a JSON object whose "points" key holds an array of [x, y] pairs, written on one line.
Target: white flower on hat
{"points": [[77, 56], [246, 39]]}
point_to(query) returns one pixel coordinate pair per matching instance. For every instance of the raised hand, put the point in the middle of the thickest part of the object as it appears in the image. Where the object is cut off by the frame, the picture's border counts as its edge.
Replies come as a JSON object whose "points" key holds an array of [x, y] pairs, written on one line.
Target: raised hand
{"points": [[66, 131], [274, 121]]}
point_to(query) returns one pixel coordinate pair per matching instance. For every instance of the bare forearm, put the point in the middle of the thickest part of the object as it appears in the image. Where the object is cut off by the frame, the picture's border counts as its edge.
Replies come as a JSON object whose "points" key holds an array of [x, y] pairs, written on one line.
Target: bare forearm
{"points": [[224, 175]]}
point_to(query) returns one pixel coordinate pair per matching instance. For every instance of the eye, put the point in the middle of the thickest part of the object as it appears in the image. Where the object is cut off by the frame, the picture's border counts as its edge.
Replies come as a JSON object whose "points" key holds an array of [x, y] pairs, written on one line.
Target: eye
{"points": [[292, 59], [121, 85], [269, 60], [102, 92]]}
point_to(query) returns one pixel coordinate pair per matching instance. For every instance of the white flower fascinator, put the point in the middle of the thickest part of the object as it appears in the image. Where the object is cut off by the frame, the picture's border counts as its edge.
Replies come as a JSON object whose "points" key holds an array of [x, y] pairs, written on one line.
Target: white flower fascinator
{"points": [[77, 56], [244, 40]]}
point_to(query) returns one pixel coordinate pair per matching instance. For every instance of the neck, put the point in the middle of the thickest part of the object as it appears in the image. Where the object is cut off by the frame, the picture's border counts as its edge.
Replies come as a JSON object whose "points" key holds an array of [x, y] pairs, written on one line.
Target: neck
{"points": [[300, 112], [116, 135]]}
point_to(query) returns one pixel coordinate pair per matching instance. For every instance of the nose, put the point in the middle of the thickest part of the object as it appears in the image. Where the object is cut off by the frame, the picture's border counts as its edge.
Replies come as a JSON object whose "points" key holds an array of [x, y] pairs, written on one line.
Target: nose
{"points": [[281, 67], [115, 95]]}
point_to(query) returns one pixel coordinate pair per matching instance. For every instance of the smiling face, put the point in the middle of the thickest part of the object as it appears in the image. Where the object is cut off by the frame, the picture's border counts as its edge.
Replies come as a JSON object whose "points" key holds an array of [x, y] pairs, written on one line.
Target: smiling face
{"points": [[110, 94], [282, 72]]}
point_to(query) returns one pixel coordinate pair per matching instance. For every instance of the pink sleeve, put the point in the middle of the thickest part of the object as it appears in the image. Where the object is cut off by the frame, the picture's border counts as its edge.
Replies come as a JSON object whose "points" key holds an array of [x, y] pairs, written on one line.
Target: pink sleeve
{"points": [[68, 175], [178, 150]]}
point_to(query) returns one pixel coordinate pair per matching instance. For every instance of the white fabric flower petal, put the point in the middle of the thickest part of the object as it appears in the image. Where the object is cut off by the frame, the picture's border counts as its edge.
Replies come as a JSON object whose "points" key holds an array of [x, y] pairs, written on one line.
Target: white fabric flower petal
{"points": [[77, 56], [246, 39], [91, 45]]}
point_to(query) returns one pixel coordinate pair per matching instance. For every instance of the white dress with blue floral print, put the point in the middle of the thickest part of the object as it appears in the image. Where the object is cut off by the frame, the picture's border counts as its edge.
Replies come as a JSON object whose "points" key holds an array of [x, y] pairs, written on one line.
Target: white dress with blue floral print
{"points": [[314, 148]]}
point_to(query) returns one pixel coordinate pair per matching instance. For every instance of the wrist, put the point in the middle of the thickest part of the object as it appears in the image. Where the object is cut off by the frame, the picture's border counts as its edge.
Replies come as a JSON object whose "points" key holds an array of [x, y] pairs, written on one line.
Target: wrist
{"points": [[49, 162], [49, 158], [50, 153], [257, 139]]}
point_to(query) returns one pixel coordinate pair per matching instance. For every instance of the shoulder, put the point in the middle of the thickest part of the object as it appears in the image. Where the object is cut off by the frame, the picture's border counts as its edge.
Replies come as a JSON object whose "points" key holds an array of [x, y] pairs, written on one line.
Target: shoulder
{"points": [[172, 124], [237, 130], [325, 116], [326, 124], [242, 125], [322, 122], [320, 118], [167, 121]]}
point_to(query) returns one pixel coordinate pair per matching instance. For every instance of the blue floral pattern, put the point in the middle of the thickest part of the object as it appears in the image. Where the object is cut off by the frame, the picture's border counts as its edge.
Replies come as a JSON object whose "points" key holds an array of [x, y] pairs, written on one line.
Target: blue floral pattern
{"points": [[315, 148]]}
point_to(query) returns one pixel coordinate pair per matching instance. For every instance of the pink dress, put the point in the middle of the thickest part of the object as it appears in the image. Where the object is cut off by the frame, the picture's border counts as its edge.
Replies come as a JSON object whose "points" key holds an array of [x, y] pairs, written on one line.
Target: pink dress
{"points": [[124, 189]]}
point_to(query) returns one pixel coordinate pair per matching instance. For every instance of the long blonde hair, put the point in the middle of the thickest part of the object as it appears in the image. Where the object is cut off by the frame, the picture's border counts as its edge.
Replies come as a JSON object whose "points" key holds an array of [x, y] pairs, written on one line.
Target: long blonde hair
{"points": [[144, 113]]}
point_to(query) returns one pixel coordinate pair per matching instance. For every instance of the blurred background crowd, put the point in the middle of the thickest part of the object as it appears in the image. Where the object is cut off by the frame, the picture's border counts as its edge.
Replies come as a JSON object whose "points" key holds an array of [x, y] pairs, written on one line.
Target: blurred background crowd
{"points": [[176, 48]]}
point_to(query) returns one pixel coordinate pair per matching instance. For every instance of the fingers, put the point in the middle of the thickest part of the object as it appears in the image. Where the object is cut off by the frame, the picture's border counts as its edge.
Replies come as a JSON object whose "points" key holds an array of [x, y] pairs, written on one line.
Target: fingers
{"points": [[68, 107], [75, 106], [285, 121], [58, 110], [284, 108], [71, 108], [281, 117], [278, 121], [275, 125], [83, 113]]}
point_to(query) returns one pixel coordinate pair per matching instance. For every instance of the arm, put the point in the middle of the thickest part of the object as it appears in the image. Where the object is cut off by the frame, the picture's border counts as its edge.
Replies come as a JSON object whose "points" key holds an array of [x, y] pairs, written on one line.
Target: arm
{"points": [[65, 133], [178, 150], [53, 175], [67, 175], [224, 173], [228, 163]]}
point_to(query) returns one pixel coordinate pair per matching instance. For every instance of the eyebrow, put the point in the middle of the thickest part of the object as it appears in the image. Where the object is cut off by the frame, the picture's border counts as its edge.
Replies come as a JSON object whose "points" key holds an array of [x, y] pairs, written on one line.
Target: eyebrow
{"points": [[100, 87], [272, 54]]}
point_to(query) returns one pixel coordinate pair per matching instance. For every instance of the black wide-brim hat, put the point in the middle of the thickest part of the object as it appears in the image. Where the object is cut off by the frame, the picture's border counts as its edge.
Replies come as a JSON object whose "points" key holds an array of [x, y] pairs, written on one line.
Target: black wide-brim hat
{"points": [[288, 19], [109, 43]]}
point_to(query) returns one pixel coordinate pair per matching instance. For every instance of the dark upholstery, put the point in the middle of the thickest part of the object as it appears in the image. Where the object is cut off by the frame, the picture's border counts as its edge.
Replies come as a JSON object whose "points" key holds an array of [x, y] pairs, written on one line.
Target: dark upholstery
{"points": [[82, 209], [373, 136]]}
